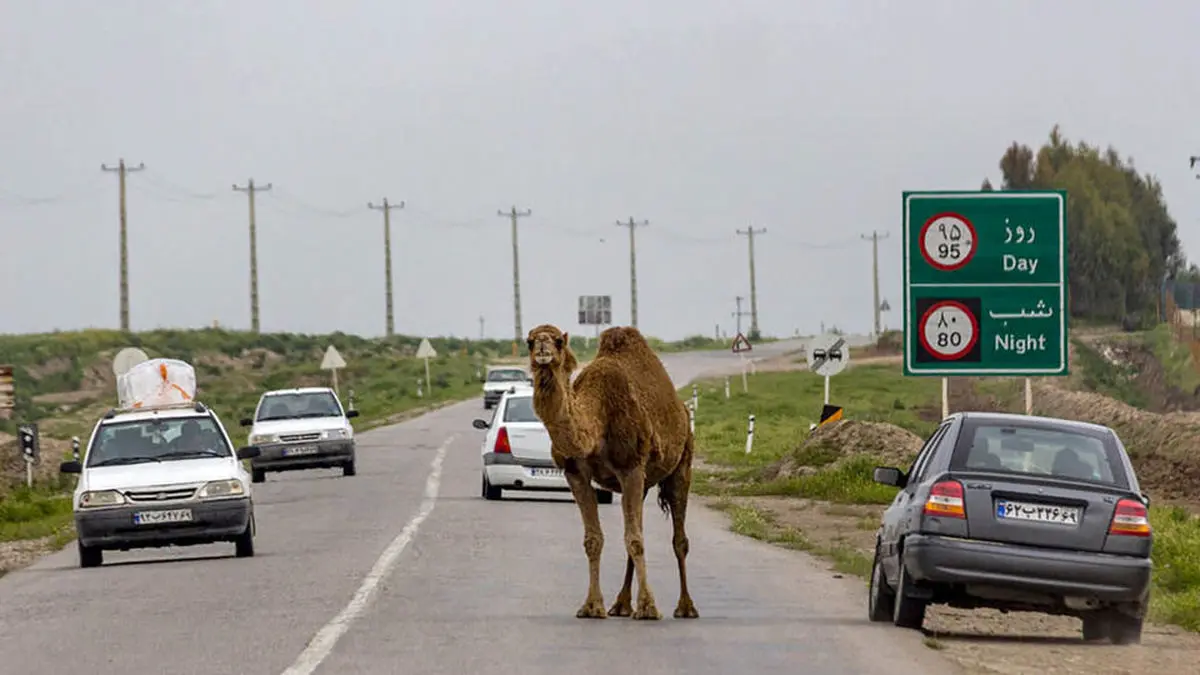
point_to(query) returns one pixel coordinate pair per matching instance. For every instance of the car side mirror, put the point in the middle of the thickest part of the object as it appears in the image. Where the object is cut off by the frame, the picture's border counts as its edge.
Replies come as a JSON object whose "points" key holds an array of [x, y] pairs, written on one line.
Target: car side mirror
{"points": [[480, 424], [886, 475], [249, 452], [70, 466], [246, 421], [351, 413], [1146, 499]]}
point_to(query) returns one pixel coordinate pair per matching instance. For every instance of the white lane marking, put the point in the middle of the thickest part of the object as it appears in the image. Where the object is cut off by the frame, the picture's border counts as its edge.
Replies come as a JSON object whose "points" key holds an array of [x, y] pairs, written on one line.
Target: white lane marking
{"points": [[323, 642]]}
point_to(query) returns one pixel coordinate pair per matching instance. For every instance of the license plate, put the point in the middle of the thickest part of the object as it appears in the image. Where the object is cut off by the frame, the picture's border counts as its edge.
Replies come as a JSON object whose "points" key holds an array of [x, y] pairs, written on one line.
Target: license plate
{"points": [[160, 517], [546, 473], [301, 450], [1038, 513]]}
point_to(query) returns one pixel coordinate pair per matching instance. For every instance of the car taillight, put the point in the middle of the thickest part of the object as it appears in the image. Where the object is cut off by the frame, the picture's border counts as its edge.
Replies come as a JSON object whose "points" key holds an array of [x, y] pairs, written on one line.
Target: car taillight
{"points": [[502, 445], [1130, 518], [946, 499]]}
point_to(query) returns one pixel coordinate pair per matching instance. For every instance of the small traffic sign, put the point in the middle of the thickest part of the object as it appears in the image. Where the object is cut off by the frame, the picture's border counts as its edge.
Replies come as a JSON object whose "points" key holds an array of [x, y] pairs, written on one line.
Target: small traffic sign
{"points": [[827, 355], [333, 360], [830, 414], [741, 344], [425, 350], [985, 283], [30, 441]]}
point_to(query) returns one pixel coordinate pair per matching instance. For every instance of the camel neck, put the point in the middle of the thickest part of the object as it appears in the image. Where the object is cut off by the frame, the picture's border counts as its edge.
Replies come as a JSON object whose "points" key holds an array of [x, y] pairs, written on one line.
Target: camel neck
{"points": [[553, 402]]}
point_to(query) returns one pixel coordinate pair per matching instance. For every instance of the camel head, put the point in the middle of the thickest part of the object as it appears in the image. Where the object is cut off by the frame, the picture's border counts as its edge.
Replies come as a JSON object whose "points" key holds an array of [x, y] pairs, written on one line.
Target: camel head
{"points": [[549, 348]]}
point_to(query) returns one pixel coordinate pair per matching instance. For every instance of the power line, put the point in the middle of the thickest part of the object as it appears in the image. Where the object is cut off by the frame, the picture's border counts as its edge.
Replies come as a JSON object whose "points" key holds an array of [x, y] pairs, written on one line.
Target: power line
{"points": [[514, 214], [387, 259], [250, 191], [633, 304], [750, 232], [122, 170]]}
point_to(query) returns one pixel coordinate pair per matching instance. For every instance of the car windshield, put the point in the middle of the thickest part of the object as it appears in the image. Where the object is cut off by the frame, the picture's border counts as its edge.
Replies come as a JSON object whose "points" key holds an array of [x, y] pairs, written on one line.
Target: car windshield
{"points": [[520, 409], [510, 375], [299, 405], [157, 440], [1041, 451]]}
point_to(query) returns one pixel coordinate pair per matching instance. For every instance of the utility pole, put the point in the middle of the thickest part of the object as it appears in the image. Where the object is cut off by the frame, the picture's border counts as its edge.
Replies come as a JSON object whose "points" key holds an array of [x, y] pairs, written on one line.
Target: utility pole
{"points": [[633, 225], [1193, 161], [514, 214], [481, 327], [390, 329], [250, 191], [739, 313], [874, 239], [750, 232], [121, 169]]}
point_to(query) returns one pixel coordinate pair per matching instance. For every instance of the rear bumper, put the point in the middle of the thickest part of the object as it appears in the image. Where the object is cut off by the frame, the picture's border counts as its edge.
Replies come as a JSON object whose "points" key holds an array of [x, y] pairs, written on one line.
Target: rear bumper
{"points": [[506, 471], [1107, 577], [327, 454], [491, 398], [113, 528]]}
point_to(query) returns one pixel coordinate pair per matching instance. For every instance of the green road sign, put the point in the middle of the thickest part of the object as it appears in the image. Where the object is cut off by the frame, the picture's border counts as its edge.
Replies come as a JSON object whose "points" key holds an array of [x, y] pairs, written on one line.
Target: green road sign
{"points": [[985, 283]]}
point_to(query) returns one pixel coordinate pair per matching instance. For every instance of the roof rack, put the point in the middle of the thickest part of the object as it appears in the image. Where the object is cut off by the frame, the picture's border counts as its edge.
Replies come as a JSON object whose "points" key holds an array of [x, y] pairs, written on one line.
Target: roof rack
{"points": [[193, 405]]}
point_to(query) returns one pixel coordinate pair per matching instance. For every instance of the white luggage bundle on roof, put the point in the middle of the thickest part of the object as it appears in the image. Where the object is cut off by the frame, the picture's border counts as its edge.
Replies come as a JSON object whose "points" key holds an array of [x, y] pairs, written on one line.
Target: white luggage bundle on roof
{"points": [[157, 383]]}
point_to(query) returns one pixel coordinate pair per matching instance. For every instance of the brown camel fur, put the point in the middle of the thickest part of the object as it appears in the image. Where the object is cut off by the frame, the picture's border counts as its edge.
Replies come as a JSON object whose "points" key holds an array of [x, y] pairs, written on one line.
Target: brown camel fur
{"points": [[621, 425]]}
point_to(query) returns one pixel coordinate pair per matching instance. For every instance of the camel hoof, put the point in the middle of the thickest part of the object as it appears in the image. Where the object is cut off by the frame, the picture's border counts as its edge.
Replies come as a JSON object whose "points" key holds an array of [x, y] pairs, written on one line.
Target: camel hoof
{"points": [[647, 613], [593, 609], [621, 608], [686, 610]]}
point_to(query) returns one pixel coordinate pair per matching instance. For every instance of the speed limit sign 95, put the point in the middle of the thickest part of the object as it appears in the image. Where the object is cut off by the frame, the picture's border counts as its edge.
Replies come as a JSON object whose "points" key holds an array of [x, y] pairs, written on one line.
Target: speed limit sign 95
{"points": [[949, 330], [948, 241]]}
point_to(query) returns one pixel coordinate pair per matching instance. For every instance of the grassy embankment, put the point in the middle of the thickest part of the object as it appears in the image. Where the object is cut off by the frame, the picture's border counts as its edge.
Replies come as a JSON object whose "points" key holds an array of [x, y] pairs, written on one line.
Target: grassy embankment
{"points": [[64, 382], [827, 503]]}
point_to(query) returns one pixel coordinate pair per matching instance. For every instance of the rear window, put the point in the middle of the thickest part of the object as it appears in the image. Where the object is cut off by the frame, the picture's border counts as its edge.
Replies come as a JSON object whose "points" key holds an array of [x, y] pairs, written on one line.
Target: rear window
{"points": [[507, 375], [520, 409], [1040, 450]]}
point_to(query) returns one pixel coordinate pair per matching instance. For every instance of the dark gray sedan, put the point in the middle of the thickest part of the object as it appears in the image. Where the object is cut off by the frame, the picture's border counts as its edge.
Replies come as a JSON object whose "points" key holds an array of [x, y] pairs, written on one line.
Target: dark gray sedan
{"points": [[1016, 513]]}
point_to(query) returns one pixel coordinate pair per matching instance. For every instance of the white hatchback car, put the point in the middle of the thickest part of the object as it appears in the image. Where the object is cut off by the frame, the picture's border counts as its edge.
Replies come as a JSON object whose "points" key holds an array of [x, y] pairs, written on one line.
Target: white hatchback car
{"points": [[516, 450]]}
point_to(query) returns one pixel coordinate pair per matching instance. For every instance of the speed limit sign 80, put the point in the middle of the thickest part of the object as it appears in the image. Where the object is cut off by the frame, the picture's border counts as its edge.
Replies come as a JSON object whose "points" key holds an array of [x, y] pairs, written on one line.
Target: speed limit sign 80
{"points": [[948, 241], [949, 330]]}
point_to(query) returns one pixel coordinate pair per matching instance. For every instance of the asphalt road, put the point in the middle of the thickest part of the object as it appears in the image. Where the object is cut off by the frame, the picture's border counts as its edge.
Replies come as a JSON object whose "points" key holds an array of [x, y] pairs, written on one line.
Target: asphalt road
{"points": [[404, 568]]}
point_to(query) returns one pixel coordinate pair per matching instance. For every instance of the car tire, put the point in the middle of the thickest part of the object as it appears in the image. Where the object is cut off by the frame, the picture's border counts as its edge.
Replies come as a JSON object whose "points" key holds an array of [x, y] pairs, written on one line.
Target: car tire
{"points": [[258, 476], [604, 496], [881, 599], [1095, 627], [243, 546], [907, 611], [1124, 629], [349, 469], [90, 556], [491, 492]]}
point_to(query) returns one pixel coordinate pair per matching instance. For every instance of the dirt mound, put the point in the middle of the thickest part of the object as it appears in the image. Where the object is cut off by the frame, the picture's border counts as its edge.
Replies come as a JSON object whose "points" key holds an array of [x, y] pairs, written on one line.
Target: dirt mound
{"points": [[1161, 446], [839, 441], [1137, 364]]}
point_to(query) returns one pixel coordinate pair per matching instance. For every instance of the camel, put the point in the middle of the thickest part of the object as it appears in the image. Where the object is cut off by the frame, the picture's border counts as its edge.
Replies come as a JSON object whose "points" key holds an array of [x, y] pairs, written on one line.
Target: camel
{"points": [[621, 425]]}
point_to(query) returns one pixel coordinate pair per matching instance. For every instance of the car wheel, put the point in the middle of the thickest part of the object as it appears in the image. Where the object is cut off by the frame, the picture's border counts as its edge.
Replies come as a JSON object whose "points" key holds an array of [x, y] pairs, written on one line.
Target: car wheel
{"points": [[880, 599], [1095, 627], [490, 492], [258, 476], [243, 546], [90, 556], [348, 469], [604, 496], [1124, 629], [907, 611]]}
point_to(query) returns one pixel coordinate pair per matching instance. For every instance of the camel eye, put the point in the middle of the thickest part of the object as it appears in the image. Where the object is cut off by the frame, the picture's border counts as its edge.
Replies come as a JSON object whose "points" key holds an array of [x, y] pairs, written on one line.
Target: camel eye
{"points": [[530, 343], [558, 342]]}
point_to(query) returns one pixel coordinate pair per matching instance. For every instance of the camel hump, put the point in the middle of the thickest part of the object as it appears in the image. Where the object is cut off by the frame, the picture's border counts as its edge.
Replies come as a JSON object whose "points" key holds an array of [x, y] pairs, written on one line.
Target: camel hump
{"points": [[622, 340]]}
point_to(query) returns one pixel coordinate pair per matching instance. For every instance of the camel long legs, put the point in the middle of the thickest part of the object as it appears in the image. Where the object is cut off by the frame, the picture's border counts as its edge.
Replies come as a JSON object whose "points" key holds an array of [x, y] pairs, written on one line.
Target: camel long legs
{"points": [[593, 543], [624, 604], [632, 484], [679, 484]]}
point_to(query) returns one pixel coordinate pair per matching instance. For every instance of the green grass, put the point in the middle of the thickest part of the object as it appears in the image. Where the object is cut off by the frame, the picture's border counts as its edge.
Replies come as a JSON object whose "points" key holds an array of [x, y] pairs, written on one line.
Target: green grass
{"points": [[1176, 359], [759, 524], [31, 514], [1176, 595]]}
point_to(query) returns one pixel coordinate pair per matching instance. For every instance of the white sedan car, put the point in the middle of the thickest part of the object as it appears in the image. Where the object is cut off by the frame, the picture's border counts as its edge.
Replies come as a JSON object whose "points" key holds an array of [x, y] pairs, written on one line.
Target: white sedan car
{"points": [[516, 450]]}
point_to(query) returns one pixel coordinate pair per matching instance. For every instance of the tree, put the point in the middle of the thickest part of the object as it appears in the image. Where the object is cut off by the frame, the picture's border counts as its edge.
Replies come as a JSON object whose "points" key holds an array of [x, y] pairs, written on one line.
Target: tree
{"points": [[987, 186], [1122, 240]]}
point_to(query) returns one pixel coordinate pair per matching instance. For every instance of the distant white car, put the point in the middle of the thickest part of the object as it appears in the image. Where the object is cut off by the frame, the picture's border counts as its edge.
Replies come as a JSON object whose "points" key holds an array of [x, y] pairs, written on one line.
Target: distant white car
{"points": [[516, 449], [499, 380], [304, 428]]}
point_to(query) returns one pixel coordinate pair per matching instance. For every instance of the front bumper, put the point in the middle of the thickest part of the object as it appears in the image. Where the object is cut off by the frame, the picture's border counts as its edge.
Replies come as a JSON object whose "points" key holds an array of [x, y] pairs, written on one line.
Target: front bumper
{"points": [[1104, 576], [317, 455], [114, 528], [506, 471]]}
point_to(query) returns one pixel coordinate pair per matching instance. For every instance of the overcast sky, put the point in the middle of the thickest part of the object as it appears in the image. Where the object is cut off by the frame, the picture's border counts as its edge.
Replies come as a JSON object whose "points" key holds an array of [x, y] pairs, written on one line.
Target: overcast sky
{"points": [[702, 116]]}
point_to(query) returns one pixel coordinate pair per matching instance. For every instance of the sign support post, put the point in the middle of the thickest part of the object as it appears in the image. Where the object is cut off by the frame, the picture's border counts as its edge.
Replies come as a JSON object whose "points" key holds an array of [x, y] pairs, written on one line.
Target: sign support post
{"points": [[985, 285], [426, 352]]}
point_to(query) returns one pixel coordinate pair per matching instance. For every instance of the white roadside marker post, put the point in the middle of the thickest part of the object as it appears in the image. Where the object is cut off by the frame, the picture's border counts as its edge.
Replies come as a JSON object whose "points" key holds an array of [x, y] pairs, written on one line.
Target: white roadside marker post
{"points": [[750, 435]]}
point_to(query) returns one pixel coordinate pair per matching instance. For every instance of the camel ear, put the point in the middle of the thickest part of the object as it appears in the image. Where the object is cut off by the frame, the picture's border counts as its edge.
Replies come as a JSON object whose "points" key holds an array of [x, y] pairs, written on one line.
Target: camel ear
{"points": [[567, 339]]}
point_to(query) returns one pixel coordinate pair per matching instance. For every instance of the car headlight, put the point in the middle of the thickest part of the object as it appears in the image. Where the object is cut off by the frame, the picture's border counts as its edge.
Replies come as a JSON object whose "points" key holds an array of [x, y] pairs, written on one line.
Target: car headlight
{"points": [[337, 433], [222, 488], [99, 498], [259, 439]]}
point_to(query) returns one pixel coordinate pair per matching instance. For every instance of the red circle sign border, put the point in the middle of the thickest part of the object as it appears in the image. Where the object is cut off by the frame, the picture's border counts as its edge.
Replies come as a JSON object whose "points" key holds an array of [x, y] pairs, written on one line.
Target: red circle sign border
{"points": [[967, 348], [929, 259]]}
